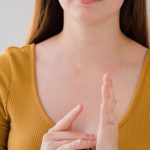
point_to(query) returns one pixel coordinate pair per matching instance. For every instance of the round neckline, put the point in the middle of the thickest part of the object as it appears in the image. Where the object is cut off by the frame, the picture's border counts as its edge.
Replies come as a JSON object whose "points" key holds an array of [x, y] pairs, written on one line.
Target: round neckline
{"points": [[127, 114]]}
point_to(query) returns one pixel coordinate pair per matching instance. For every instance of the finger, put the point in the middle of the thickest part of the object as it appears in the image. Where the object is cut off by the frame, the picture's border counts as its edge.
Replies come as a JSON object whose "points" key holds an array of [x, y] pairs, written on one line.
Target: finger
{"points": [[67, 120], [112, 98], [108, 92], [109, 83], [63, 144], [78, 144], [53, 145], [108, 107], [68, 135], [108, 126]]}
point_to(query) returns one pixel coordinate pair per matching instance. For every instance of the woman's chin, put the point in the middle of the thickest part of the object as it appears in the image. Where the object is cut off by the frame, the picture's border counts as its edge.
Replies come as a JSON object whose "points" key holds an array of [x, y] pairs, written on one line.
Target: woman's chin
{"points": [[88, 17], [87, 11]]}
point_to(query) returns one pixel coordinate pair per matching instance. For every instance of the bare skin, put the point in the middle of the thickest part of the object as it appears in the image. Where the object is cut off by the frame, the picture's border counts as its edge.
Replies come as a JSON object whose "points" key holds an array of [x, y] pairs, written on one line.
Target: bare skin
{"points": [[62, 136], [63, 82], [70, 66]]}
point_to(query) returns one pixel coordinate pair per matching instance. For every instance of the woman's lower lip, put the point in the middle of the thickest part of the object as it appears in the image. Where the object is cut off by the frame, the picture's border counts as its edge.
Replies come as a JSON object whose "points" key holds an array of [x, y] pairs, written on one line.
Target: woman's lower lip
{"points": [[87, 1]]}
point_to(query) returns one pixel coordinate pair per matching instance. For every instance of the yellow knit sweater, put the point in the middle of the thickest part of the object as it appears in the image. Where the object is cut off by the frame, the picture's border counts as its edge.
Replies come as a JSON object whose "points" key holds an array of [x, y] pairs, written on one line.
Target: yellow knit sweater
{"points": [[23, 122]]}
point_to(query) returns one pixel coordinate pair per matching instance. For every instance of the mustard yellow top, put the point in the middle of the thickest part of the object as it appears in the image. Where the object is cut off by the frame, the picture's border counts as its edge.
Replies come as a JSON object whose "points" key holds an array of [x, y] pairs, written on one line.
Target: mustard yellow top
{"points": [[23, 121]]}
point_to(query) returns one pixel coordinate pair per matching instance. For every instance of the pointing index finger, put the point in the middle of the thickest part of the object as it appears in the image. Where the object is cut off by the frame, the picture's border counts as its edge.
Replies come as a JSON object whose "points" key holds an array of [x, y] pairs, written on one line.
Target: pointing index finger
{"points": [[68, 119]]}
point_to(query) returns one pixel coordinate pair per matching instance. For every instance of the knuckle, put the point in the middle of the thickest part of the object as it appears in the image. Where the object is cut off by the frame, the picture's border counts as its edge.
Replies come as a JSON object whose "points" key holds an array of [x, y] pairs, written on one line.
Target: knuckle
{"points": [[45, 137], [50, 133], [48, 136], [48, 142]]}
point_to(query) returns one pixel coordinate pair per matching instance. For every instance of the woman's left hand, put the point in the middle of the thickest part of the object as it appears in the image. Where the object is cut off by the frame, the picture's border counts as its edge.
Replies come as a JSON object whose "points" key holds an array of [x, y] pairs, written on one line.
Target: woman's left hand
{"points": [[107, 136]]}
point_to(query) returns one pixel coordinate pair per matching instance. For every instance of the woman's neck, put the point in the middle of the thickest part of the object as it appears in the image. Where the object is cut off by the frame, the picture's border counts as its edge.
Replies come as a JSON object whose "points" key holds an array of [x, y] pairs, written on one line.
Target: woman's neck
{"points": [[96, 44]]}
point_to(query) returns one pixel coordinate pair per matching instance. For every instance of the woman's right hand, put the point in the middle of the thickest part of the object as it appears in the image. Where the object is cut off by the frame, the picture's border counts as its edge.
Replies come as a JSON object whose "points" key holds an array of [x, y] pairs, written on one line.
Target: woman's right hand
{"points": [[61, 136]]}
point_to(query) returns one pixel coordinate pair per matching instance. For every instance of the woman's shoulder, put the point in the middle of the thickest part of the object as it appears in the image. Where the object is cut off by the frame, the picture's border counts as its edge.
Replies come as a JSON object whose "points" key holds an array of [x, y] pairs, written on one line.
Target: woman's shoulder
{"points": [[16, 50], [10, 58], [13, 54], [14, 61]]}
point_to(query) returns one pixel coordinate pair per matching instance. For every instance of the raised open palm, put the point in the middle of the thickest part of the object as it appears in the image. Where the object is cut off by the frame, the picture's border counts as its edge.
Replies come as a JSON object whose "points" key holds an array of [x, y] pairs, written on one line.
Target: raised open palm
{"points": [[61, 136]]}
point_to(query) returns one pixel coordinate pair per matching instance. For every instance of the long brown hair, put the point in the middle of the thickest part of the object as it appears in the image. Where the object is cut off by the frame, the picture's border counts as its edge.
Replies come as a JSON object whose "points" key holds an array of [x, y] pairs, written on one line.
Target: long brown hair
{"points": [[48, 18]]}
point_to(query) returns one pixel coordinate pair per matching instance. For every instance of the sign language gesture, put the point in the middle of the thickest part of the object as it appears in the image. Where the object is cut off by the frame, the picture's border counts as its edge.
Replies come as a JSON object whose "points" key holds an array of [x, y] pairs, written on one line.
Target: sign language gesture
{"points": [[61, 136], [107, 138]]}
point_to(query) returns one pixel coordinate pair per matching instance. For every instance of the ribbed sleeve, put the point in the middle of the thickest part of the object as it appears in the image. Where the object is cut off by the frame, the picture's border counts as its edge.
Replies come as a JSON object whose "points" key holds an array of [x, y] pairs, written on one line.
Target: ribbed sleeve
{"points": [[5, 81]]}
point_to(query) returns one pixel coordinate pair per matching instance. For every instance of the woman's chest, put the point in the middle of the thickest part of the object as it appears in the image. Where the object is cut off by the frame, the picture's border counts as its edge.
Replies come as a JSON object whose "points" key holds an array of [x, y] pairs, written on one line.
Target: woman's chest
{"points": [[60, 93]]}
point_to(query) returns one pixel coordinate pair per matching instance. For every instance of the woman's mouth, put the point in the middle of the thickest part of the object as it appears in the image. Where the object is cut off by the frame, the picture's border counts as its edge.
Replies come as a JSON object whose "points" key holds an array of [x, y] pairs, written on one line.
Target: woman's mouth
{"points": [[87, 1]]}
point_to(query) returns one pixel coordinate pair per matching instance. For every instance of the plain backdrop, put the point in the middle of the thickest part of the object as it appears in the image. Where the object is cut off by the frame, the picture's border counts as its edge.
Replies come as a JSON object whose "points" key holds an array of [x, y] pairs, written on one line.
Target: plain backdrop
{"points": [[15, 20]]}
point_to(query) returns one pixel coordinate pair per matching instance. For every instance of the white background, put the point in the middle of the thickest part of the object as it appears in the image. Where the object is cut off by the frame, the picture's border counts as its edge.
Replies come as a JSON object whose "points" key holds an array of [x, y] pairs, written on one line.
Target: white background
{"points": [[15, 20]]}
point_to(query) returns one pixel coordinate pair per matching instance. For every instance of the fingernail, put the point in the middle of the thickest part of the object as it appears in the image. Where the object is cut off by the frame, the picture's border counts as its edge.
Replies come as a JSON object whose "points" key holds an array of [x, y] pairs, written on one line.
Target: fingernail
{"points": [[78, 106]]}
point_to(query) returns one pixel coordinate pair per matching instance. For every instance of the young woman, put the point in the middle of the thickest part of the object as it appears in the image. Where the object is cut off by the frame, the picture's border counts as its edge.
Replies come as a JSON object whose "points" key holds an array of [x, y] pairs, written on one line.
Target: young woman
{"points": [[90, 53]]}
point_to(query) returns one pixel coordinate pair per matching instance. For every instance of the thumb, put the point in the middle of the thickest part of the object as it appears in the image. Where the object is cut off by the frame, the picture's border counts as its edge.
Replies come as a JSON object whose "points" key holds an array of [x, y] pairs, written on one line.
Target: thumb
{"points": [[68, 119]]}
